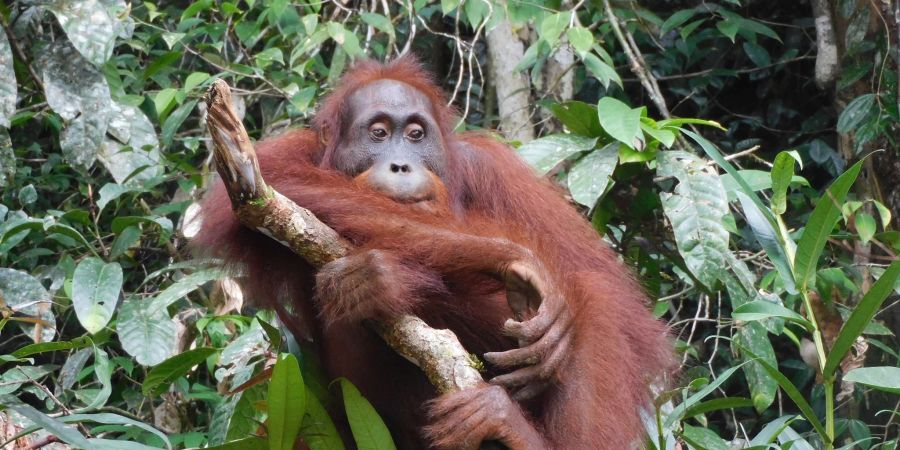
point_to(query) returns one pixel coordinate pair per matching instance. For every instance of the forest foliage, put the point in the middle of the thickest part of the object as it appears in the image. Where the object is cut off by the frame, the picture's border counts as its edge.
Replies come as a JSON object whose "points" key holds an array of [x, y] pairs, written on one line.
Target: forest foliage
{"points": [[749, 190]]}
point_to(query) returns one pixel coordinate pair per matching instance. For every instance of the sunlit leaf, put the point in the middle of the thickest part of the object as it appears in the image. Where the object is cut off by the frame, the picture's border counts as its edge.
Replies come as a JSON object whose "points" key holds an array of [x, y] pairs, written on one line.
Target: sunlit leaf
{"points": [[882, 378], [146, 333], [695, 209], [133, 156], [545, 153], [25, 295], [590, 175], [79, 94], [621, 121], [88, 26], [95, 292]]}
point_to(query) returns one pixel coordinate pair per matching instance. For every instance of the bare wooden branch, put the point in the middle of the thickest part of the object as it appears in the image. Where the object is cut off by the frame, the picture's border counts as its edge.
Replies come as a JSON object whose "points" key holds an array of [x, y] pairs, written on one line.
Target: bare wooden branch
{"points": [[437, 352]]}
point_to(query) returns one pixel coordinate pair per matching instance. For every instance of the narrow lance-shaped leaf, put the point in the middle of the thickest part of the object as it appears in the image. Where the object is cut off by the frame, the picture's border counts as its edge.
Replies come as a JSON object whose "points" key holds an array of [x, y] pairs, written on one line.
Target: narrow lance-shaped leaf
{"points": [[819, 225], [860, 317], [161, 376], [286, 402], [369, 431]]}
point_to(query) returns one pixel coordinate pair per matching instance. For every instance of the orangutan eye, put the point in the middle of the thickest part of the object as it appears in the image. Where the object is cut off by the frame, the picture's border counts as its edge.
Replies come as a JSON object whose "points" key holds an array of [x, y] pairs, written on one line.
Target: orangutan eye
{"points": [[414, 132], [378, 132]]}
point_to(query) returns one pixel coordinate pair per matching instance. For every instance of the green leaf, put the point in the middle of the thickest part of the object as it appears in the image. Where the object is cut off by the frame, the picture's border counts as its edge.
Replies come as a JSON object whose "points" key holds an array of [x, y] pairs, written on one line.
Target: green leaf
{"points": [[882, 378], [103, 369], [124, 240], [286, 403], [621, 121], [26, 295], [545, 153], [758, 54], [679, 411], [379, 21], [269, 56], [665, 137], [369, 431], [729, 28], [590, 175], [146, 333], [553, 25], [855, 113], [761, 309], [769, 239], [782, 174], [42, 347], [884, 213], [695, 209], [791, 392], [95, 292], [447, 6], [755, 337], [703, 438], [718, 404], [317, 430], [184, 286], [769, 434], [133, 156], [347, 40], [164, 101], [8, 91], [160, 377], [55, 427], [863, 313], [865, 227], [601, 70], [677, 19], [195, 79], [819, 225], [578, 117], [581, 39], [79, 93], [115, 419], [88, 25]]}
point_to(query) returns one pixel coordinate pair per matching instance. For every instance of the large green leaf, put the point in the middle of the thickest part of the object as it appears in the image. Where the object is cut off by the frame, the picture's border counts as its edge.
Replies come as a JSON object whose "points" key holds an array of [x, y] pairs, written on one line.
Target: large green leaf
{"points": [[860, 317], [545, 153], [696, 210], [25, 295], [7, 161], [95, 292], [146, 333], [578, 117], [769, 239], [621, 121], [80, 95], [819, 225], [160, 377], [135, 147], [286, 403], [8, 87], [882, 378], [590, 175], [369, 431], [89, 26], [184, 286]]}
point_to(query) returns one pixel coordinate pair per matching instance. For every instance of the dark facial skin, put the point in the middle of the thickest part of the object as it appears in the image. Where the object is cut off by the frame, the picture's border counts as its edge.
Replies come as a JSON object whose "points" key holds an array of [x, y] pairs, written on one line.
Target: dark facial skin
{"points": [[391, 141]]}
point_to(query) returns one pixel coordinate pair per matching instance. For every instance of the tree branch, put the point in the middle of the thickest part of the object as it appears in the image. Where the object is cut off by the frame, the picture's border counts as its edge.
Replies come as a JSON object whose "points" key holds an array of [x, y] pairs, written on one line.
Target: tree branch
{"points": [[257, 206]]}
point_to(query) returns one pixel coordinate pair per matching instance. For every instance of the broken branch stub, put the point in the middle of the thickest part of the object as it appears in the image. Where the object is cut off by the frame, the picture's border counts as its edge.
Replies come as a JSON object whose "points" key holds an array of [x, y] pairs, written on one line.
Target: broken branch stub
{"points": [[437, 352]]}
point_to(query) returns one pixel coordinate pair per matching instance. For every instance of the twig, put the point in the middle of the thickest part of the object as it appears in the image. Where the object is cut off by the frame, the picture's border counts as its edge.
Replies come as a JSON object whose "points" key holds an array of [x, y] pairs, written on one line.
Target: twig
{"points": [[257, 206]]}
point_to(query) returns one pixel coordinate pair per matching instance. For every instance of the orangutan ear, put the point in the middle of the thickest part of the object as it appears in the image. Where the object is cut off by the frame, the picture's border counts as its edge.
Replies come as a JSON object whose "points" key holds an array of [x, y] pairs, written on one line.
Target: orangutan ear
{"points": [[324, 134]]}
